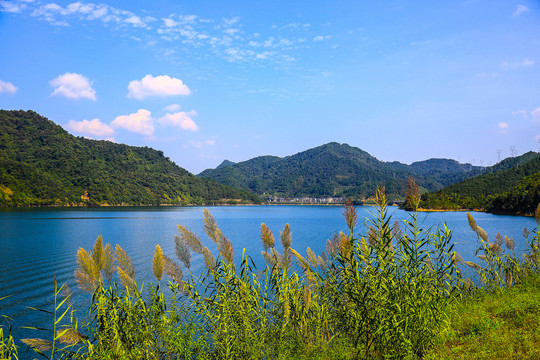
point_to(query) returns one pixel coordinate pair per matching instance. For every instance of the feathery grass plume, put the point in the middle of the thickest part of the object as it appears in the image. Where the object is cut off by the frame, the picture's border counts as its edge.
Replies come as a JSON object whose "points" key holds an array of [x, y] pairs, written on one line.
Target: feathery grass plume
{"points": [[286, 236], [286, 309], [525, 233], [67, 293], [126, 280], [472, 222], [70, 336], [98, 253], [87, 274], [108, 267], [324, 258], [496, 248], [351, 216], [270, 260], [498, 239], [509, 278], [482, 233], [267, 237], [537, 214], [412, 197], [191, 239], [209, 260], [172, 269], [312, 257], [307, 297], [158, 263], [210, 227], [457, 258], [372, 236], [396, 231], [482, 257], [124, 262], [38, 344], [279, 260], [226, 250], [182, 251], [510, 242], [301, 260], [344, 245], [473, 265], [381, 200], [333, 245]]}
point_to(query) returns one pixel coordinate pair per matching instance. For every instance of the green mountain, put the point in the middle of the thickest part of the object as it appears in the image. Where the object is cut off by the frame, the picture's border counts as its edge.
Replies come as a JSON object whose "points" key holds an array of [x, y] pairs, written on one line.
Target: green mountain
{"points": [[510, 186], [335, 170], [42, 164]]}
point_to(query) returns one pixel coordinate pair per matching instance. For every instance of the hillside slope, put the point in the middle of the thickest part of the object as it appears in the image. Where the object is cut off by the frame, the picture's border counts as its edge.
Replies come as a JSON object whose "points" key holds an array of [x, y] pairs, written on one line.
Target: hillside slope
{"points": [[42, 164], [515, 177]]}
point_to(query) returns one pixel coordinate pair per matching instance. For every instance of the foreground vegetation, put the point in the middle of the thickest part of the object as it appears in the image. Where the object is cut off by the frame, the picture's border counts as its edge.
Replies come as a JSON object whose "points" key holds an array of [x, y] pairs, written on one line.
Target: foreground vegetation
{"points": [[41, 164], [397, 291]]}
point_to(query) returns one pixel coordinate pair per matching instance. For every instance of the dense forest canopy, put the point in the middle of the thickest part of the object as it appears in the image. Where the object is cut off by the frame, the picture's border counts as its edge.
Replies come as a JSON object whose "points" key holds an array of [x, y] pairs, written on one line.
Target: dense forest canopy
{"points": [[42, 164]]}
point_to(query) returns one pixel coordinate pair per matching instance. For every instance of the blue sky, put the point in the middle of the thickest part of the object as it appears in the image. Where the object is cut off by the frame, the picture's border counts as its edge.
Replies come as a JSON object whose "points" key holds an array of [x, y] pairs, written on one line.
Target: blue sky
{"points": [[207, 80]]}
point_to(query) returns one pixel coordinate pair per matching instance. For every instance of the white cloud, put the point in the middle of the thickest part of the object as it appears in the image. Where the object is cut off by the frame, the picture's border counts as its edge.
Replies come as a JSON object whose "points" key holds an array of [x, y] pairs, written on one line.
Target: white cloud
{"points": [[525, 62], [162, 85], [521, 113], [90, 127], [520, 10], [321, 38], [210, 142], [172, 108], [180, 119], [536, 115], [73, 86], [503, 127], [140, 122], [7, 87]]}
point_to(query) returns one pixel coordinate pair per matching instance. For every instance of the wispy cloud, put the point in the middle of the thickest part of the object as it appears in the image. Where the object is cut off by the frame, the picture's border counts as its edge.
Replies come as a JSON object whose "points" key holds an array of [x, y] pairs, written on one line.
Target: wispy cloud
{"points": [[172, 108], [321, 37], [58, 15], [520, 10], [90, 127], [73, 86], [511, 65], [223, 38], [12, 7], [162, 85], [522, 113], [536, 115], [503, 127], [7, 87], [140, 122]]}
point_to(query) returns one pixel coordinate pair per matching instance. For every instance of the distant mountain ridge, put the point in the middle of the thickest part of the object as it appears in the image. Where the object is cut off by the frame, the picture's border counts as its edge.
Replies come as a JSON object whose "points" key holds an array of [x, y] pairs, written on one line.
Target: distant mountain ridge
{"points": [[335, 169], [42, 164]]}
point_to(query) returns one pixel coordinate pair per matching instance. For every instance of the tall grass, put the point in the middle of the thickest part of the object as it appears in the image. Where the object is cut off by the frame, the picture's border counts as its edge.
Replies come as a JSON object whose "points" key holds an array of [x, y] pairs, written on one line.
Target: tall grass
{"points": [[379, 293]]}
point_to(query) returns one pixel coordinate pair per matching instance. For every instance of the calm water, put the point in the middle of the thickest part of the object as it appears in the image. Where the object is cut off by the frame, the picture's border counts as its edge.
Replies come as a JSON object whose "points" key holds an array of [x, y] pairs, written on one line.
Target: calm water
{"points": [[36, 244]]}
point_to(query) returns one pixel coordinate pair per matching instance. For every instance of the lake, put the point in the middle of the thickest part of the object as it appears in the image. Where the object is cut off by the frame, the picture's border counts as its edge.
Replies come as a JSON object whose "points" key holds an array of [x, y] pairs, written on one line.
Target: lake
{"points": [[38, 243]]}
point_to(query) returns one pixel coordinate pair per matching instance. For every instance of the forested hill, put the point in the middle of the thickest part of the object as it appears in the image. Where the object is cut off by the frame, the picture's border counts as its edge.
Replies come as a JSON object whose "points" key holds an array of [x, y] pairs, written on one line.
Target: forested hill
{"points": [[335, 170], [42, 164], [511, 186]]}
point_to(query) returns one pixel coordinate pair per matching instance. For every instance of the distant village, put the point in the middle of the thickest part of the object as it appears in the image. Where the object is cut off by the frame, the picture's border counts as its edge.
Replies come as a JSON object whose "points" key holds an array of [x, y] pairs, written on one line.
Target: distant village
{"points": [[304, 200]]}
